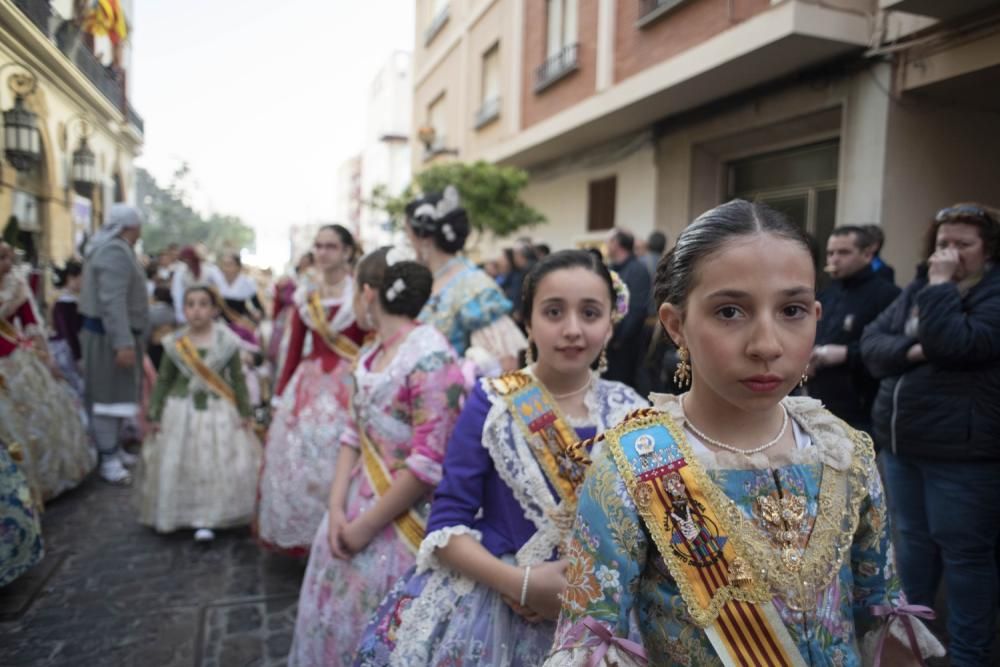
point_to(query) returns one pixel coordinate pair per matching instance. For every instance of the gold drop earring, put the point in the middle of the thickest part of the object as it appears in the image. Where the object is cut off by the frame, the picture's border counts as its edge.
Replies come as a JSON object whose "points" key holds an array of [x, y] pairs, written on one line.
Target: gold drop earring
{"points": [[602, 363], [682, 376], [529, 356], [805, 377]]}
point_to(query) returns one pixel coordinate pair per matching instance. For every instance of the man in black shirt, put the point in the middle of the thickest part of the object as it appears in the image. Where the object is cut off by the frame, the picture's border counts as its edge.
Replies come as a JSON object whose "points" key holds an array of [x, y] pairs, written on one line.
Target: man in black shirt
{"points": [[625, 349], [854, 298]]}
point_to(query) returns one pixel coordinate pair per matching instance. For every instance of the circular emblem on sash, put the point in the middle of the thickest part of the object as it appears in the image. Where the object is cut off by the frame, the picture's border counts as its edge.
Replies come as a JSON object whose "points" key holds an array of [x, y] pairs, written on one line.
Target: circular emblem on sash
{"points": [[643, 496], [644, 445]]}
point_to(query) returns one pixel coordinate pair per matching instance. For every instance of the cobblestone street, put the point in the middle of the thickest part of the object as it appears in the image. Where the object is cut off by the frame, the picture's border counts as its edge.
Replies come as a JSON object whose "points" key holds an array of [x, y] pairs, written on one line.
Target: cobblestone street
{"points": [[111, 592]]}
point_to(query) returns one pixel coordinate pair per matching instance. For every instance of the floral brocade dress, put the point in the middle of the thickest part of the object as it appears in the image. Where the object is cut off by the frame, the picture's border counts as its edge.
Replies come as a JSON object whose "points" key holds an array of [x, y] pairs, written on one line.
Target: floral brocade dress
{"points": [[801, 537], [472, 312], [404, 414], [497, 490], [20, 528], [311, 414], [38, 413]]}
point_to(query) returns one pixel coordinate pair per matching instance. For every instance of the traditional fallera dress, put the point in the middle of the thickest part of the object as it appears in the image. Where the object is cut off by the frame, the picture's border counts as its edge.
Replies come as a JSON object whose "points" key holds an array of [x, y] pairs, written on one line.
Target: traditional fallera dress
{"points": [[311, 415], [730, 560], [404, 416], [20, 529], [512, 471], [37, 412], [65, 341], [472, 312], [200, 469]]}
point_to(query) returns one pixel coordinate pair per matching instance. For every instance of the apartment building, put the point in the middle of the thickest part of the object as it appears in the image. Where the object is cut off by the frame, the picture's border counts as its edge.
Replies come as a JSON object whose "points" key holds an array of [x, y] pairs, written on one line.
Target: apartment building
{"points": [[69, 157], [643, 113]]}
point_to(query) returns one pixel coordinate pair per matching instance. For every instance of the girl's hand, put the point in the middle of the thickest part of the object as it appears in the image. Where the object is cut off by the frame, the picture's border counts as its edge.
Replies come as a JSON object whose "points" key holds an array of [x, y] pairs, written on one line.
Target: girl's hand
{"points": [[357, 534], [942, 266], [524, 612], [545, 586], [335, 525], [916, 354]]}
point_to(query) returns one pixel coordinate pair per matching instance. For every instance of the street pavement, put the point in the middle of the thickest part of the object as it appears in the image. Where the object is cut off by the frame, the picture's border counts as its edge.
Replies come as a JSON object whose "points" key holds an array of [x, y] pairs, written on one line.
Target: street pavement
{"points": [[111, 592]]}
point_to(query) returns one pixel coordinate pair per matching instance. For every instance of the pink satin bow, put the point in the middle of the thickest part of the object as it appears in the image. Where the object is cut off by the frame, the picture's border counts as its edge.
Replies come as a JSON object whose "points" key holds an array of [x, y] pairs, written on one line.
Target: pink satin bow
{"points": [[903, 613], [606, 640]]}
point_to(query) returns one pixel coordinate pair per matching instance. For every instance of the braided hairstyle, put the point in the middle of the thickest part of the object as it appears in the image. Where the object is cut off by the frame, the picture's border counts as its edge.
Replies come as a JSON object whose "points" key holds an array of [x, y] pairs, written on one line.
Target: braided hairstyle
{"points": [[405, 298], [448, 232]]}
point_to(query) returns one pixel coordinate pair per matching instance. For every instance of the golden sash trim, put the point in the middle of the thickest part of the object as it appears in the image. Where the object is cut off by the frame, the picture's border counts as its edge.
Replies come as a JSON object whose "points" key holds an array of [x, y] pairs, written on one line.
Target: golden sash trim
{"points": [[231, 315], [557, 448], [8, 332], [409, 525], [343, 346], [722, 591], [188, 354]]}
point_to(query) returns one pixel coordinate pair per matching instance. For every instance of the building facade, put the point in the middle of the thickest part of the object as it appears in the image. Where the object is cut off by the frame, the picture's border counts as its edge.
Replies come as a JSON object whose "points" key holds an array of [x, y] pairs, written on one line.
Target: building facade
{"points": [[644, 113], [77, 88]]}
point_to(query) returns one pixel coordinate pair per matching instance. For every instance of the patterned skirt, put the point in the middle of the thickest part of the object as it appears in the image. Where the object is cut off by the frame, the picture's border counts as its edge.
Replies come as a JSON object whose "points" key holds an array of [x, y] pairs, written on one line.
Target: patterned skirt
{"points": [[338, 597], [300, 455], [440, 618], [42, 416], [20, 531], [200, 470]]}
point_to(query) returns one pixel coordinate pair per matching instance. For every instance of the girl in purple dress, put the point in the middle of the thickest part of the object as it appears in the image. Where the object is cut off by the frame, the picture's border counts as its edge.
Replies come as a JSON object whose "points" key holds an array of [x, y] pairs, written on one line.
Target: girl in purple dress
{"points": [[407, 391], [487, 582]]}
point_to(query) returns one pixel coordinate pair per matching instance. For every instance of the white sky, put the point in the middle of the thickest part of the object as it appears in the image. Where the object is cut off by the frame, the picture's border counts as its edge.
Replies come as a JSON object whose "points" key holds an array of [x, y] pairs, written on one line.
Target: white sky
{"points": [[264, 99]]}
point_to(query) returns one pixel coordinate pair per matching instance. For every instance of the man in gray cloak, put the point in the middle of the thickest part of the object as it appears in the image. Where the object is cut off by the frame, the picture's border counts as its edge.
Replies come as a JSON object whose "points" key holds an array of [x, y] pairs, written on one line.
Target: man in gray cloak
{"points": [[115, 309]]}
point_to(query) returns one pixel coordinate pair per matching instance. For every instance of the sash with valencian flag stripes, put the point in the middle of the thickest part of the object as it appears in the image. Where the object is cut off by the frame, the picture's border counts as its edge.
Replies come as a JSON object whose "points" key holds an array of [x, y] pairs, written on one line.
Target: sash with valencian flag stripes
{"points": [[346, 348], [722, 595]]}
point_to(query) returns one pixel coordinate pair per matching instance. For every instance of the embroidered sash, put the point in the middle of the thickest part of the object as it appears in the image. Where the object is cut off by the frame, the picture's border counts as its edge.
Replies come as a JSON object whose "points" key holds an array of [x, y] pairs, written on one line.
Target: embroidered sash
{"points": [[343, 346], [231, 315], [723, 592], [8, 332], [556, 446], [409, 526], [188, 354]]}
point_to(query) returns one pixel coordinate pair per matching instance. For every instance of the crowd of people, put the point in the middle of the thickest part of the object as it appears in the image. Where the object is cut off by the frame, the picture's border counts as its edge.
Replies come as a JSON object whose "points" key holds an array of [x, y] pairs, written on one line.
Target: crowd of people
{"points": [[465, 458]]}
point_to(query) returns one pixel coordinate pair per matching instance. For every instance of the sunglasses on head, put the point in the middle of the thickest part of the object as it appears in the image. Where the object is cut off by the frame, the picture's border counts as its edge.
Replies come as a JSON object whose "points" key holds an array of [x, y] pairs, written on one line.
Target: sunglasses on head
{"points": [[962, 211]]}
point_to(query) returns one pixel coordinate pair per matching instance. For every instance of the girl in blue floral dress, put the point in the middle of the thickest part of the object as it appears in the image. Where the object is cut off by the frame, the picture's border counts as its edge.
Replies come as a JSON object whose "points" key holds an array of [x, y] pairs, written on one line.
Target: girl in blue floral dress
{"points": [[741, 526]]}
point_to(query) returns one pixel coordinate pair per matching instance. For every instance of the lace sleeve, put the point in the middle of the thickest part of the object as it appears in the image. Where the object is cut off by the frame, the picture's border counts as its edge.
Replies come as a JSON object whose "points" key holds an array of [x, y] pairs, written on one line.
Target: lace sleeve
{"points": [[501, 338], [426, 558]]}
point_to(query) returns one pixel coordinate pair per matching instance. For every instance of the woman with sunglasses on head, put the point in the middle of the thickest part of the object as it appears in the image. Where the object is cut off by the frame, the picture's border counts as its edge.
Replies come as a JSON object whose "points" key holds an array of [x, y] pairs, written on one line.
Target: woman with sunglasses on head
{"points": [[937, 422], [312, 399], [466, 305]]}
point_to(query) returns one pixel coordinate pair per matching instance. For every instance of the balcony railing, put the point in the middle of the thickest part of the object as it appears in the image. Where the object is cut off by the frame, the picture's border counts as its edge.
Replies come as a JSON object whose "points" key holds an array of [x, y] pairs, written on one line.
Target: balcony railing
{"points": [[134, 119], [488, 112], [650, 10], [559, 65], [437, 23], [69, 40]]}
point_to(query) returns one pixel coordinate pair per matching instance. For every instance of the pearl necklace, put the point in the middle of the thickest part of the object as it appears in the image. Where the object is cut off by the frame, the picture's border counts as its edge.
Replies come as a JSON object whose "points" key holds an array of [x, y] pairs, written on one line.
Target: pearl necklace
{"points": [[570, 394], [737, 450]]}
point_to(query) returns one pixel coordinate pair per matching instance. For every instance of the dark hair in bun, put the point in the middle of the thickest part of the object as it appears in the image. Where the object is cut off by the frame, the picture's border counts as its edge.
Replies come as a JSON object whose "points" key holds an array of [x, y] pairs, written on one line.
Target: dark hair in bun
{"points": [[449, 232], [406, 298], [71, 269]]}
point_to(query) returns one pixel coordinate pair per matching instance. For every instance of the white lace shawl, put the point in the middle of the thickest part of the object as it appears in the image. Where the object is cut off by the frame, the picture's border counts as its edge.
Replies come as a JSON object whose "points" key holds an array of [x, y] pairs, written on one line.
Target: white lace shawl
{"points": [[345, 314], [607, 404], [224, 345]]}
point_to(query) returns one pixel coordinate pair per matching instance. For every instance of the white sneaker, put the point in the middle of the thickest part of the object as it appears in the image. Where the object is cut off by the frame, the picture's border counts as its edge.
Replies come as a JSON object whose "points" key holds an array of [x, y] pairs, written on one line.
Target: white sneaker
{"points": [[113, 472], [128, 460], [204, 535]]}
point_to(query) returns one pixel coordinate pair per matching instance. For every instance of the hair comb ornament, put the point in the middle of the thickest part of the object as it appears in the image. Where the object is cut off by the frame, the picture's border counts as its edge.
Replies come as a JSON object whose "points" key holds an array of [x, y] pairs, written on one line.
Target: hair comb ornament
{"points": [[397, 288], [620, 307], [449, 233], [398, 253]]}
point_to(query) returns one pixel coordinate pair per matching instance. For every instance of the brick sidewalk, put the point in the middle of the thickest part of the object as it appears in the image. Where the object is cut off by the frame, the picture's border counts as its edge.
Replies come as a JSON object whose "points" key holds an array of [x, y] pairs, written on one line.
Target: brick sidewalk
{"points": [[111, 592]]}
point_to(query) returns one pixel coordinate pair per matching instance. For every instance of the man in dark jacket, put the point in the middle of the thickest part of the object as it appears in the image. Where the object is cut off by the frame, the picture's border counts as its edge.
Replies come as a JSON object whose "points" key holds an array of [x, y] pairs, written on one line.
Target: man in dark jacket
{"points": [[854, 298], [937, 418], [625, 349]]}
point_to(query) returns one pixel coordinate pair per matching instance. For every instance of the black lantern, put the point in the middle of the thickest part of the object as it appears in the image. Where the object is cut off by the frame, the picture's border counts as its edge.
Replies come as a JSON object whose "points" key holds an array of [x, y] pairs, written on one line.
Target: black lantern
{"points": [[22, 145], [84, 168]]}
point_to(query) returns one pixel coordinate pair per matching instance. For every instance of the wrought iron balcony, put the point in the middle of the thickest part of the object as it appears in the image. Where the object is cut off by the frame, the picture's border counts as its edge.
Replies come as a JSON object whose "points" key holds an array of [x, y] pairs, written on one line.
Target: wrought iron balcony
{"points": [[437, 23], [39, 11], [559, 65], [650, 10], [488, 112]]}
